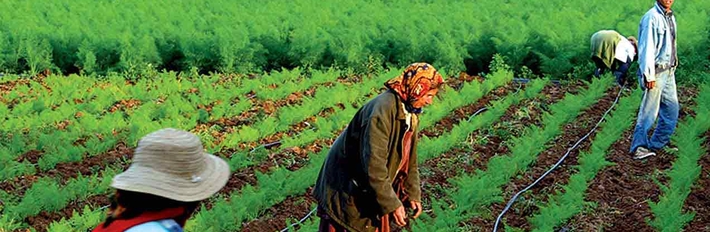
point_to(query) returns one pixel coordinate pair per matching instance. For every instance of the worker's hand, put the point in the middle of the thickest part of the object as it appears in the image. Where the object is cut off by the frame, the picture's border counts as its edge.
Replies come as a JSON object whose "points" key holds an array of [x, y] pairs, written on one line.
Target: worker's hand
{"points": [[649, 84], [417, 207], [399, 216]]}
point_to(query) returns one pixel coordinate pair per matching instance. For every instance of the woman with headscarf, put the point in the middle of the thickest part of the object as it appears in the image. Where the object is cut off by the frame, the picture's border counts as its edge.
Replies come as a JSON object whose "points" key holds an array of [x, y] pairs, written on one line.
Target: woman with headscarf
{"points": [[169, 176], [370, 174]]}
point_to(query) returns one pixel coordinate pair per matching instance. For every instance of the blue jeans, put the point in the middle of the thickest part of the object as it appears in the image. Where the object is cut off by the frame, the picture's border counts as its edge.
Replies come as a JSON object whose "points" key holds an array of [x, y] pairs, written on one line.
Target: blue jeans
{"points": [[620, 73], [660, 102]]}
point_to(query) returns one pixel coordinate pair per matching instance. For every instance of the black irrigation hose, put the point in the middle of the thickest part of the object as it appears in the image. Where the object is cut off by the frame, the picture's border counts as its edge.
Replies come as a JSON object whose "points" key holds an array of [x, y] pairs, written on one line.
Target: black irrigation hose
{"points": [[512, 200], [300, 221]]}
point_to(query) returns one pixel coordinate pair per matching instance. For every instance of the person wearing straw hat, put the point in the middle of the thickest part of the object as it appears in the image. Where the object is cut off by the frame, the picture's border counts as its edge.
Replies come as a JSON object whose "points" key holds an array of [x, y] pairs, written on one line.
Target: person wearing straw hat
{"points": [[611, 51], [169, 176], [370, 173]]}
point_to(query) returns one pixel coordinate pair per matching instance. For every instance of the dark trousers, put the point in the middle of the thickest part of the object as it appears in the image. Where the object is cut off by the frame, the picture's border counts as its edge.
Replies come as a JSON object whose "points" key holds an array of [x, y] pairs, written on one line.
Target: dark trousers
{"points": [[619, 70]]}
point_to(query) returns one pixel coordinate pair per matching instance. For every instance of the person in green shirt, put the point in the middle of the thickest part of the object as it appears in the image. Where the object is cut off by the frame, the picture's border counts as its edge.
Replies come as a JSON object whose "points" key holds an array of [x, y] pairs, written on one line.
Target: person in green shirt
{"points": [[613, 52]]}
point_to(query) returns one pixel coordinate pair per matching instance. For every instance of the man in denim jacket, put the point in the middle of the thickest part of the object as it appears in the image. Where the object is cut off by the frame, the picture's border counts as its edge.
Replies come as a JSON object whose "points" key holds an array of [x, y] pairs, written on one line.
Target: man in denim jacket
{"points": [[658, 60]]}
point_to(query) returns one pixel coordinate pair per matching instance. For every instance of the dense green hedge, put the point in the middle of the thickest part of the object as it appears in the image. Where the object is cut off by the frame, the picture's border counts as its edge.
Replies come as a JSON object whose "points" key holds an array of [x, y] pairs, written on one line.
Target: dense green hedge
{"points": [[97, 36]]}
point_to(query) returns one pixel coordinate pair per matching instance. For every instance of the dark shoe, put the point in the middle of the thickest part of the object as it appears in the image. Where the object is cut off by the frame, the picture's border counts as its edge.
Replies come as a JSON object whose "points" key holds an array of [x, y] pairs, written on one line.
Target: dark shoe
{"points": [[668, 149]]}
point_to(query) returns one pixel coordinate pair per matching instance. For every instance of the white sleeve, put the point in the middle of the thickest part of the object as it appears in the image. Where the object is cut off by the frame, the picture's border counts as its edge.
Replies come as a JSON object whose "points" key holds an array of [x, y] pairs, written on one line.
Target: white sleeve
{"points": [[624, 51]]}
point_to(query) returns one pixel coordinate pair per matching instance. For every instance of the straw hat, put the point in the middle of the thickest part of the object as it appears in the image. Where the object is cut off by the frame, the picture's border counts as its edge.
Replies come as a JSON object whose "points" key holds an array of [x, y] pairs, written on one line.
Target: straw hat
{"points": [[172, 163]]}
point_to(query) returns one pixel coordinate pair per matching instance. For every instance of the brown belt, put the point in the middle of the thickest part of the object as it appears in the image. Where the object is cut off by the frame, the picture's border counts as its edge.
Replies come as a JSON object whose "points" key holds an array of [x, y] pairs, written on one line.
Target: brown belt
{"points": [[663, 68]]}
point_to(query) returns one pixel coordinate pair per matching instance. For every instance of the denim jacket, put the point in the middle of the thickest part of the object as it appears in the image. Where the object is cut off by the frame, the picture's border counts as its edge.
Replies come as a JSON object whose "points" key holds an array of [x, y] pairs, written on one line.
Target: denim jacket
{"points": [[656, 42]]}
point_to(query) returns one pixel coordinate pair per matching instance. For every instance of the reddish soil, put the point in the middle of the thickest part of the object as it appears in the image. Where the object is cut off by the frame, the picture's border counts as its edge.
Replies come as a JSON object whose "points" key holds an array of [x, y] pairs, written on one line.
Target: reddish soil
{"points": [[18, 185], [699, 199], [270, 141], [263, 107], [41, 221], [295, 156], [273, 141], [299, 127], [292, 158], [494, 142], [125, 105], [296, 206], [231, 78], [622, 191], [456, 83], [686, 98], [238, 180], [7, 86], [574, 131], [9, 104], [514, 216], [68, 171], [31, 156], [462, 113], [266, 108], [275, 218], [484, 144], [528, 112]]}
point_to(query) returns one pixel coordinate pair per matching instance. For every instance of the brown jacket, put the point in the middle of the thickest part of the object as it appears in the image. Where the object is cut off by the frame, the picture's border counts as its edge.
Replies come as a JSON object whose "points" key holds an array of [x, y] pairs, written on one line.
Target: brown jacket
{"points": [[354, 186]]}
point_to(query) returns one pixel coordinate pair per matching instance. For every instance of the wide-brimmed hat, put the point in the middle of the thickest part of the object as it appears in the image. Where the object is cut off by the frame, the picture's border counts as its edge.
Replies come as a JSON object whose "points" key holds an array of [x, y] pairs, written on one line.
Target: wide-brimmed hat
{"points": [[172, 163]]}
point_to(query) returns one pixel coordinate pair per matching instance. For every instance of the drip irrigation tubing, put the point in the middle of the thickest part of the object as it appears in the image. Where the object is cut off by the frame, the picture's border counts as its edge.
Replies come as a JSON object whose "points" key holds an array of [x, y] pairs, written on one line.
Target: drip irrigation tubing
{"points": [[515, 197], [300, 221]]}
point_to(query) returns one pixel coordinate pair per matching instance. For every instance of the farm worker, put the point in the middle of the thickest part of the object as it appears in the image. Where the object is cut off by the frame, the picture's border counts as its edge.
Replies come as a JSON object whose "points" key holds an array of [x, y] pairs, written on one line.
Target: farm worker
{"points": [[370, 174], [164, 185], [611, 51], [658, 60]]}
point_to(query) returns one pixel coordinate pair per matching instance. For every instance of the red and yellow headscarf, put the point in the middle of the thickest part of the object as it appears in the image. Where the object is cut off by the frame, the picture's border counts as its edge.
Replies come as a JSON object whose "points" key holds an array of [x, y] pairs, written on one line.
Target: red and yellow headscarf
{"points": [[415, 81]]}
